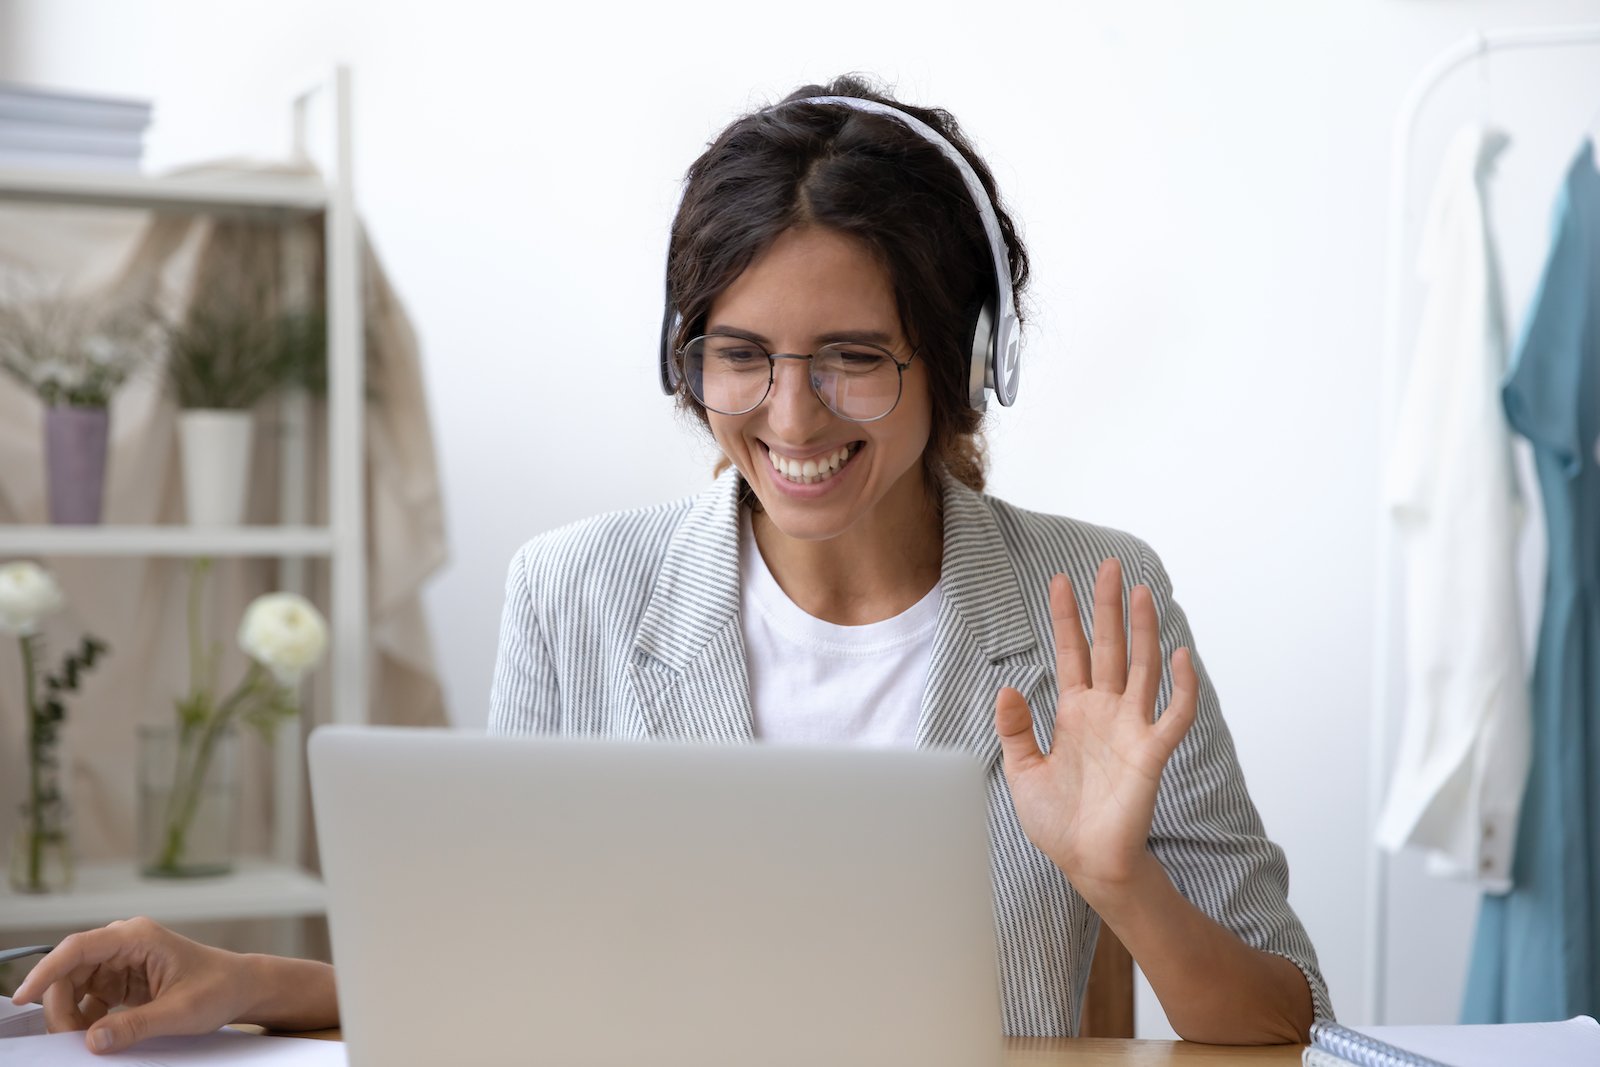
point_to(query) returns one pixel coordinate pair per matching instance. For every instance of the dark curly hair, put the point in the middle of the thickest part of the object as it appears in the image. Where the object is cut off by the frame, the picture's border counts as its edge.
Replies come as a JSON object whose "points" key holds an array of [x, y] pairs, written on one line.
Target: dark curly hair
{"points": [[868, 176]]}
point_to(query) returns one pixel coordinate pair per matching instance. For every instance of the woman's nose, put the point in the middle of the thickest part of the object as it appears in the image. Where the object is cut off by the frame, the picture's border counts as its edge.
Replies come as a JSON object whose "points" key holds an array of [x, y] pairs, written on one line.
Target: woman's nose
{"points": [[793, 408]]}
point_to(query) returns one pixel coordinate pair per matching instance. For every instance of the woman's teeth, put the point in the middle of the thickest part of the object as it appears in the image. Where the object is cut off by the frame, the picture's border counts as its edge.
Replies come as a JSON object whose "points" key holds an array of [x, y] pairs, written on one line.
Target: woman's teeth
{"points": [[813, 470]]}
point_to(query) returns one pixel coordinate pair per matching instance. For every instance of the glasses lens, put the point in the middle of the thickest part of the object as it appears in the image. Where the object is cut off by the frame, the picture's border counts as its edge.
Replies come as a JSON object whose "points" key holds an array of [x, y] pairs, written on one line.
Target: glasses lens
{"points": [[726, 374], [858, 382]]}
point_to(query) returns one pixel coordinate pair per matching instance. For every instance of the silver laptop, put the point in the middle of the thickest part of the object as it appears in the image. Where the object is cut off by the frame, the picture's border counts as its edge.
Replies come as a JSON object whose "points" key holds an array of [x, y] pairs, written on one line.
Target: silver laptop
{"points": [[580, 902]]}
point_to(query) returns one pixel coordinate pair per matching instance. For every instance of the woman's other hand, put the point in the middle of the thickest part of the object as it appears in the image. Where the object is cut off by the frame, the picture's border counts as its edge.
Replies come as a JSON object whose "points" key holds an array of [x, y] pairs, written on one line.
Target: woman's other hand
{"points": [[168, 984], [1088, 804]]}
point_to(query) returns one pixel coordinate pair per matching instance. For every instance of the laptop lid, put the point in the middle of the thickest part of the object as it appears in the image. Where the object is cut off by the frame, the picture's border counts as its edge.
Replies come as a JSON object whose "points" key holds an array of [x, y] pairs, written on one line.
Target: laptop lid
{"points": [[609, 903]]}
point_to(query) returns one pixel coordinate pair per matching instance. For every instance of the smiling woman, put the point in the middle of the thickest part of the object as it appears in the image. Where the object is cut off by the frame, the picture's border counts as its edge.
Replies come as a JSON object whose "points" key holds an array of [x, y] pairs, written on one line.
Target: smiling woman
{"points": [[845, 580], [840, 293], [870, 516]]}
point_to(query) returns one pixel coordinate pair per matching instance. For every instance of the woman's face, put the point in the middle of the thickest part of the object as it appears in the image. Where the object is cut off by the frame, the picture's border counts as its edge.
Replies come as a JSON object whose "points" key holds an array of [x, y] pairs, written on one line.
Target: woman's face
{"points": [[811, 287]]}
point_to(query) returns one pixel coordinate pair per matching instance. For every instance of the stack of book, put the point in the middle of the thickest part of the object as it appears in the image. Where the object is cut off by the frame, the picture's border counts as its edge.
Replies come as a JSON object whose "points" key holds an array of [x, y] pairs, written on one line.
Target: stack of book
{"points": [[43, 129], [1563, 1044], [20, 1022]]}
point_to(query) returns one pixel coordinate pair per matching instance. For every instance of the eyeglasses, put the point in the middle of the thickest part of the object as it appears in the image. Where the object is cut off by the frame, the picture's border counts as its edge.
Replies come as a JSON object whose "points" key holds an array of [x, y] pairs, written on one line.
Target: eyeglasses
{"points": [[856, 380]]}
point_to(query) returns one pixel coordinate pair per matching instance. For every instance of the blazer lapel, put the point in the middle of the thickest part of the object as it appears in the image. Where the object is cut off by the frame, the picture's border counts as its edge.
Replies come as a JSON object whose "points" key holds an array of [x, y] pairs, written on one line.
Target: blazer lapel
{"points": [[687, 664], [982, 640]]}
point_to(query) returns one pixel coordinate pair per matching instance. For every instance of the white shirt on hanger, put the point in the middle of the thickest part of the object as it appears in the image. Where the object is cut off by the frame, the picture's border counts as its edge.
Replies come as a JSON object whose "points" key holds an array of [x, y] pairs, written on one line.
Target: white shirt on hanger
{"points": [[1451, 483]]}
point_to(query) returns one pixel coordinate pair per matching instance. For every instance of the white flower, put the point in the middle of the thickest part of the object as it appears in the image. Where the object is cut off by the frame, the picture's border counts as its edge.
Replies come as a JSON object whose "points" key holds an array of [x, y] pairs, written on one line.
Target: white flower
{"points": [[285, 633], [27, 594], [101, 350], [56, 372]]}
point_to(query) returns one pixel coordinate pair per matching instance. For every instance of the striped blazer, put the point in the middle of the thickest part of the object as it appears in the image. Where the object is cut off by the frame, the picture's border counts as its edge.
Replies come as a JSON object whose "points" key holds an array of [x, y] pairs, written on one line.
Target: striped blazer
{"points": [[627, 625]]}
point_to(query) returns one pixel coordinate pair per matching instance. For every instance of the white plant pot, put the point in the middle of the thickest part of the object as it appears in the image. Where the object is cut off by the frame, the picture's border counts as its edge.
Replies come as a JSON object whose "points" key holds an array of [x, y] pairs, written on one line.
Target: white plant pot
{"points": [[216, 465]]}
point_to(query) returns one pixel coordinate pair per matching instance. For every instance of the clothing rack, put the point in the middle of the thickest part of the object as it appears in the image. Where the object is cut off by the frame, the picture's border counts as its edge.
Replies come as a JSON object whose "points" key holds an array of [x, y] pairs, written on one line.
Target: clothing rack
{"points": [[1475, 47]]}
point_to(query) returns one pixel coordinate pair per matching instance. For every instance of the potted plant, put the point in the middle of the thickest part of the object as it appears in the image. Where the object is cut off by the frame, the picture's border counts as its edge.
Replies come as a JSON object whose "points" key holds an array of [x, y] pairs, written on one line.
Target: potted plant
{"points": [[225, 355], [186, 769], [41, 856], [73, 356]]}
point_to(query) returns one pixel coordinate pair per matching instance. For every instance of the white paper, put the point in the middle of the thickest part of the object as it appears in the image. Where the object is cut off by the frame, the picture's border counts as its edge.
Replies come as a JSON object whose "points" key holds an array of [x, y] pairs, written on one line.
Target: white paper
{"points": [[225, 1047], [1575, 1041]]}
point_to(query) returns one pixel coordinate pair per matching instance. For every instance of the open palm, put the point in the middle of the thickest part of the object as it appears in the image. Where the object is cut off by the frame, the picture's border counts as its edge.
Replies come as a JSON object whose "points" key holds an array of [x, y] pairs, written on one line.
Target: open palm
{"points": [[1088, 803]]}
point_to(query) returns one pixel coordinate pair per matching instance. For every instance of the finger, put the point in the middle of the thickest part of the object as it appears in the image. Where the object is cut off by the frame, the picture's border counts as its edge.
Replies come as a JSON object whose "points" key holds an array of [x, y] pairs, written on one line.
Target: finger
{"points": [[159, 1018], [1109, 657], [1013, 722], [1144, 657], [77, 952], [61, 1008], [1072, 647], [93, 1009], [1180, 714]]}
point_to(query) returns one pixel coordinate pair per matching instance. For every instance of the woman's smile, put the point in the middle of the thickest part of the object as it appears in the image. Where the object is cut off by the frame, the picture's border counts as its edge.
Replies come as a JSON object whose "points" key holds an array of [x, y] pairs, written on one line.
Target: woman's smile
{"points": [[815, 469]]}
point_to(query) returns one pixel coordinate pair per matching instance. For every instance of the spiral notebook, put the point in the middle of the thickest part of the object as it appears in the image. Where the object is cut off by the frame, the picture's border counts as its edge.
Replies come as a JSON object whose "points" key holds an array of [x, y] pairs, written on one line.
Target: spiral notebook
{"points": [[1573, 1041]]}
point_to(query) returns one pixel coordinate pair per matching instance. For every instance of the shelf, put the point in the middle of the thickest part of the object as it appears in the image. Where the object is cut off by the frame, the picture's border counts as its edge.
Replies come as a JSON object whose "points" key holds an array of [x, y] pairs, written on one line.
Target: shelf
{"points": [[187, 541], [325, 202], [106, 891], [269, 194]]}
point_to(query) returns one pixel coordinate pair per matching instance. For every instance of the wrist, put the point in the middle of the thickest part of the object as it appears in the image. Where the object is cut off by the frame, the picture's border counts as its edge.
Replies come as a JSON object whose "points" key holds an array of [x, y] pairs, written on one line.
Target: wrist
{"points": [[287, 994], [1140, 888], [259, 986]]}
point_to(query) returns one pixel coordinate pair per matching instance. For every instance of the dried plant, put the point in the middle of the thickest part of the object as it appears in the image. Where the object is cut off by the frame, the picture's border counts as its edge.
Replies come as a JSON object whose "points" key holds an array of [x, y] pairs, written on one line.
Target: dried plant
{"points": [[230, 353], [72, 351]]}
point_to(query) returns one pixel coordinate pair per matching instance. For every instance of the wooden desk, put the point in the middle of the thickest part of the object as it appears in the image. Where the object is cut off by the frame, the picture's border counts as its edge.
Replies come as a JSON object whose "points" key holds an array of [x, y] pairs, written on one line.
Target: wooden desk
{"points": [[1118, 1051], [1092, 1052]]}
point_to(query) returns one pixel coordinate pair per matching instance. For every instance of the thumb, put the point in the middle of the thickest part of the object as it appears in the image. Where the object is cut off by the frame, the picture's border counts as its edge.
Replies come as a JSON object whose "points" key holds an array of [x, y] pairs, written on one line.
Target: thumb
{"points": [[1013, 722], [122, 1029]]}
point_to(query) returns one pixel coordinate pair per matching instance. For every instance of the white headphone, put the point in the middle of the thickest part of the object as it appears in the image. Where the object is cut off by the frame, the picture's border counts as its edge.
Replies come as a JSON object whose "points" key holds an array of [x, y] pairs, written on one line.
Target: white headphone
{"points": [[996, 333]]}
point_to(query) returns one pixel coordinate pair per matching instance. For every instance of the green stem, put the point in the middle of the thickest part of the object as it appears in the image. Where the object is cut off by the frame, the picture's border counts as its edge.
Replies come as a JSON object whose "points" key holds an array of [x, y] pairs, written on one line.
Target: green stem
{"points": [[184, 801], [189, 761], [198, 681], [35, 773], [189, 782]]}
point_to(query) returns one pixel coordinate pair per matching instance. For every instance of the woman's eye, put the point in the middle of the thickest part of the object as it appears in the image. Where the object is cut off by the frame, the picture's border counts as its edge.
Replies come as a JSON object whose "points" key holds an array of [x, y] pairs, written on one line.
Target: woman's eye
{"points": [[859, 359]]}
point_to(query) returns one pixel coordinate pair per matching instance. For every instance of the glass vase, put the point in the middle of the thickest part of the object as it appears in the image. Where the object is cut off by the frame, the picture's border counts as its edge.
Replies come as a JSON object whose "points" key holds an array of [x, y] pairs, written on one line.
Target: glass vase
{"points": [[188, 799], [41, 851]]}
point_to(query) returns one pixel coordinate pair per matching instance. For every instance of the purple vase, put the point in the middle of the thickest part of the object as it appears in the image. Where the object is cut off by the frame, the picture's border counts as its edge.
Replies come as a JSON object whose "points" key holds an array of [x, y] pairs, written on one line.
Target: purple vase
{"points": [[75, 459]]}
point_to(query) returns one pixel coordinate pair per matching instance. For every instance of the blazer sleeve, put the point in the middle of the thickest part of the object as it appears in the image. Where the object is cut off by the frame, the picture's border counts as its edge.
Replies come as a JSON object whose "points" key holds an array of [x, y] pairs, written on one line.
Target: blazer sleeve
{"points": [[1206, 831], [525, 697]]}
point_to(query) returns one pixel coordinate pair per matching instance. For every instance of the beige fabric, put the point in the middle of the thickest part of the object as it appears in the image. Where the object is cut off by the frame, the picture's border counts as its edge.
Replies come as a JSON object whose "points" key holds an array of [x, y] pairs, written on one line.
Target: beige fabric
{"points": [[137, 605]]}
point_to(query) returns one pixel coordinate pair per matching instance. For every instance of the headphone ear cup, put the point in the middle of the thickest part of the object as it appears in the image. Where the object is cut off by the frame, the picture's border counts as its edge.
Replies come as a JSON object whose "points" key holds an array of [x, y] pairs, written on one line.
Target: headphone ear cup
{"points": [[668, 365], [978, 343]]}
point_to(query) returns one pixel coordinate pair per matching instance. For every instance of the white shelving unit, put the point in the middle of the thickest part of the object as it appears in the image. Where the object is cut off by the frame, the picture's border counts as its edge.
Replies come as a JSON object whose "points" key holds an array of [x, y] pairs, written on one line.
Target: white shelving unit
{"points": [[277, 541], [274, 196], [258, 889], [274, 886]]}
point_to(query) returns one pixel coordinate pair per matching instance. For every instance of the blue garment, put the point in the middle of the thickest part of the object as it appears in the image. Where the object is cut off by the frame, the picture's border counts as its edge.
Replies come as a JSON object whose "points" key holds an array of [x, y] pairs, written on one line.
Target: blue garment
{"points": [[1537, 953]]}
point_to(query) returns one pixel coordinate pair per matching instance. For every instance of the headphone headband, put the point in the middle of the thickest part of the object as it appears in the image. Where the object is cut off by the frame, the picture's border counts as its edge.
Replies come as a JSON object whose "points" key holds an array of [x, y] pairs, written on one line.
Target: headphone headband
{"points": [[995, 335]]}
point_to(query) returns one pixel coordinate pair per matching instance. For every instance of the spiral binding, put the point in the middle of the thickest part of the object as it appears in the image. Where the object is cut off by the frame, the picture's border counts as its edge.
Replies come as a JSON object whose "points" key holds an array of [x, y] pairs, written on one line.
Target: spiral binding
{"points": [[1365, 1051]]}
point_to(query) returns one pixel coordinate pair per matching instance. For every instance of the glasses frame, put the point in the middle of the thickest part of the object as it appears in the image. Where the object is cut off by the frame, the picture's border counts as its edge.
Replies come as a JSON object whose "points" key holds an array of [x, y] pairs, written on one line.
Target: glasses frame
{"points": [[772, 373]]}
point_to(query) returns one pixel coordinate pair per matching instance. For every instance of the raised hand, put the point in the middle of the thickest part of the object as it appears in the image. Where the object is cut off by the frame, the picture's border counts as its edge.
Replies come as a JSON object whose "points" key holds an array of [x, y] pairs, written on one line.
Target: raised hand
{"points": [[1088, 804]]}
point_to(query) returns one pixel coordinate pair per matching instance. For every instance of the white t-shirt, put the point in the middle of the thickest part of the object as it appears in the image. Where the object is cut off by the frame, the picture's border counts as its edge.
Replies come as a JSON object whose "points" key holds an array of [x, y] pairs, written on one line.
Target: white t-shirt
{"points": [[815, 682]]}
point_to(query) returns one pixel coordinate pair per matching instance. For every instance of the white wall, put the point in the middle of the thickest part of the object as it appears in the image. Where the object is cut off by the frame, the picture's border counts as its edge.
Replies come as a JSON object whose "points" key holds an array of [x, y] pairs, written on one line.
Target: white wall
{"points": [[1201, 185]]}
